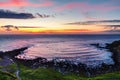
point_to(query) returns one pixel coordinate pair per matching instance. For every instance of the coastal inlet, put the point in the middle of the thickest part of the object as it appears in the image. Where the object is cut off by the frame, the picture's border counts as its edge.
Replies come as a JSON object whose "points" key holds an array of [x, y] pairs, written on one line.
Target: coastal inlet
{"points": [[73, 48]]}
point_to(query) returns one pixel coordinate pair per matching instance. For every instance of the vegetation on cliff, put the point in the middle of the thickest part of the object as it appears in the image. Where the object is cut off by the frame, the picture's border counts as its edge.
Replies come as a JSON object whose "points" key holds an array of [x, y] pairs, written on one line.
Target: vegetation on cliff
{"points": [[51, 74]]}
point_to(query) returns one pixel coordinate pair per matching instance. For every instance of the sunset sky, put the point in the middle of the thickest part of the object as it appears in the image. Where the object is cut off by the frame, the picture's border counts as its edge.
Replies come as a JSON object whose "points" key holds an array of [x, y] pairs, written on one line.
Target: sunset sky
{"points": [[59, 16]]}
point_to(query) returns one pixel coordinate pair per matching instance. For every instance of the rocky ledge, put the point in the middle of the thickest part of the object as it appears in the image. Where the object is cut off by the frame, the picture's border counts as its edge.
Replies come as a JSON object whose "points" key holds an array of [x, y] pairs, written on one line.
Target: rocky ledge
{"points": [[66, 66], [114, 47]]}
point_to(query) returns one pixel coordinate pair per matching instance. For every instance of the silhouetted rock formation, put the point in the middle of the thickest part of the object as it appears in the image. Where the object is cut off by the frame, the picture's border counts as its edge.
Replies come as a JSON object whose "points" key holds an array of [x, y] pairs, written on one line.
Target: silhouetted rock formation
{"points": [[114, 47], [1, 54], [15, 52], [97, 45], [33, 63], [27, 62]]}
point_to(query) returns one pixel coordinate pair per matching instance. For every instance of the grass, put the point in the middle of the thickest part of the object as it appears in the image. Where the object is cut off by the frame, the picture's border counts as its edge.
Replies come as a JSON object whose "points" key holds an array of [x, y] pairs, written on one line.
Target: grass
{"points": [[51, 74], [40, 74], [8, 72], [7, 76], [108, 76]]}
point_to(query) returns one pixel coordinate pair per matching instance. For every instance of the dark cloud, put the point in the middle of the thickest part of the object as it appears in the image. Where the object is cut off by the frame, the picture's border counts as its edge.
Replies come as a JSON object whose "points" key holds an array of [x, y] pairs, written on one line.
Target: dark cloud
{"points": [[28, 27], [113, 27], [44, 15], [112, 31], [93, 22], [15, 15], [10, 27]]}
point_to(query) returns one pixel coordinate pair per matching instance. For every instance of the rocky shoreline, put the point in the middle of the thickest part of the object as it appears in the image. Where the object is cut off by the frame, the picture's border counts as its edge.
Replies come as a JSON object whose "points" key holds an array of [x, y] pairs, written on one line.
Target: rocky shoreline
{"points": [[67, 66]]}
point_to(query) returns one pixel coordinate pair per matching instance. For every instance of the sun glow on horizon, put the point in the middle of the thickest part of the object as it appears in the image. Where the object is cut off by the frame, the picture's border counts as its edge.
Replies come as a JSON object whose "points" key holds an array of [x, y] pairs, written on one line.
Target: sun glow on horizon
{"points": [[58, 30]]}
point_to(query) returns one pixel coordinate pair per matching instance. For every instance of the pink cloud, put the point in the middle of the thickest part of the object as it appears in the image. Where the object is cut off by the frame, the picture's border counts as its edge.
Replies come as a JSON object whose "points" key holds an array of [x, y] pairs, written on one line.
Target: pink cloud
{"points": [[23, 3], [70, 6], [85, 7]]}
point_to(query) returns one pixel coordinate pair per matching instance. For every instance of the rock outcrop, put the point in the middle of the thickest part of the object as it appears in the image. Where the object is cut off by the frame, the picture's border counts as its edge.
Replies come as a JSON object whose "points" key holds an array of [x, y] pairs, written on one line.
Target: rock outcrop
{"points": [[114, 47]]}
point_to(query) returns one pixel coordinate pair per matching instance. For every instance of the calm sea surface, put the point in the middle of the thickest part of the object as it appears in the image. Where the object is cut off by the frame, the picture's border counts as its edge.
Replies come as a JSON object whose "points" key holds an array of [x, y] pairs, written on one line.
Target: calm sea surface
{"points": [[74, 48]]}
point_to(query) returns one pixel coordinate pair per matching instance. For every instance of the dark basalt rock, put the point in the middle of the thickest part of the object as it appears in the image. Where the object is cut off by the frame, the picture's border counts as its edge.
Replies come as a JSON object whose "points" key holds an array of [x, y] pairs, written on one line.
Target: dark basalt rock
{"points": [[27, 62], [114, 47], [97, 45], [66, 66], [1, 54], [33, 63], [5, 61], [15, 52]]}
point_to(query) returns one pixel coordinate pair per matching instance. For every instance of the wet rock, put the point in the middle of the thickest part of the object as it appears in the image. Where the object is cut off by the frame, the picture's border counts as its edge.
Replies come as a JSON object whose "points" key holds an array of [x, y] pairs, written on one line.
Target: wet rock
{"points": [[114, 47], [97, 45], [31, 62], [1, 54], [5, 61], [113, 44], [15, 52]]}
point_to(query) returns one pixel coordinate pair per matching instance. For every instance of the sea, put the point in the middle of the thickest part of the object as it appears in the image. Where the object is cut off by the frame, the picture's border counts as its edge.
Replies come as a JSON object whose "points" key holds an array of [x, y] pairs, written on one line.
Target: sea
{"points": [[75, 48]]}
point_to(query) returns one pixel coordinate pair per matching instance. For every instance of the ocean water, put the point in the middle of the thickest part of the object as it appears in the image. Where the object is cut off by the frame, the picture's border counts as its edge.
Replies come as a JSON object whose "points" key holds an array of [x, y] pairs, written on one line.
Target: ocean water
{"points": [[74, 48]]}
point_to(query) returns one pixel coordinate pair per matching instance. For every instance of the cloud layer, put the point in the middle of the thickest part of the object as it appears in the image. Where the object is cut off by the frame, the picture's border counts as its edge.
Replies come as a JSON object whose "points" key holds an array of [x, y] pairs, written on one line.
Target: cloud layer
{"points": [[85, 6], [10, 27], [24, 3], [14, 15], [113, 27], [94, 22], [44, 15], [105, 23]]}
